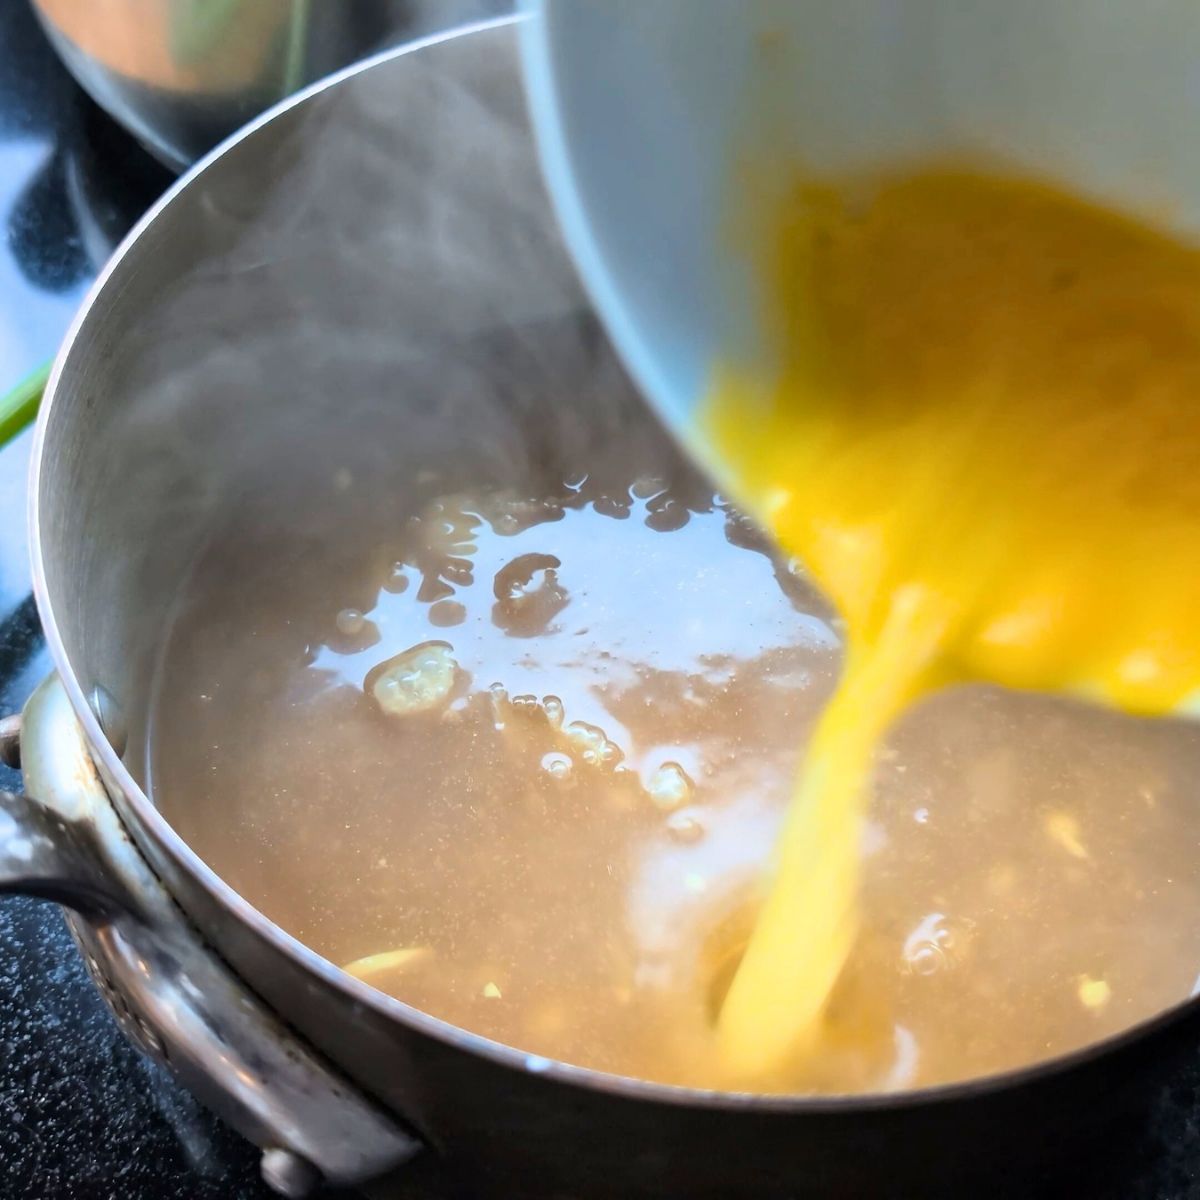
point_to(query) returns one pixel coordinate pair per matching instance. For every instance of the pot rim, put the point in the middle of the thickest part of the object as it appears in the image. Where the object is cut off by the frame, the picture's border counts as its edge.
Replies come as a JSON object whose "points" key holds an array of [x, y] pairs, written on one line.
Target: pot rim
{"points": [[222, 893]]}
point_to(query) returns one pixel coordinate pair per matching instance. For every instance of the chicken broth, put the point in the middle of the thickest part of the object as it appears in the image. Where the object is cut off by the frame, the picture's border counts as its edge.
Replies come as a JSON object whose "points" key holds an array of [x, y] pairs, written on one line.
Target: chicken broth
{"points": [[521, 763]]}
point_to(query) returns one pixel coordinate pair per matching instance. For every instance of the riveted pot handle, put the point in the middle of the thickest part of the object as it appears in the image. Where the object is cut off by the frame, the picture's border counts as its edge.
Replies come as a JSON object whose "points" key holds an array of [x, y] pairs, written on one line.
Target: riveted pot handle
{"points": [[63, 840], [41, 855], [45, 853]]}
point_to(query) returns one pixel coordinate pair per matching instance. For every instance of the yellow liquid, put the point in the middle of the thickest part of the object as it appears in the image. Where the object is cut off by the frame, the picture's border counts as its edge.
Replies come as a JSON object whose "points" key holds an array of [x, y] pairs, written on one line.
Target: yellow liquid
{"points": [[982, 436]]}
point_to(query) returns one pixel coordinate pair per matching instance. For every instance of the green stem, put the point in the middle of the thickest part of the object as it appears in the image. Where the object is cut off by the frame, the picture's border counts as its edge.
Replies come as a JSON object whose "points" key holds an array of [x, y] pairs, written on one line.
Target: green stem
{"points": [[296, 47], [198, 29], [19, 407]]}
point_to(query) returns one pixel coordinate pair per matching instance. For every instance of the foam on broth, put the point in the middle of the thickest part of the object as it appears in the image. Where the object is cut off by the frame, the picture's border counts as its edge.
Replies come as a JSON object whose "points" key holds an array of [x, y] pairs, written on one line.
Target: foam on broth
{"points": [[554, 826]]}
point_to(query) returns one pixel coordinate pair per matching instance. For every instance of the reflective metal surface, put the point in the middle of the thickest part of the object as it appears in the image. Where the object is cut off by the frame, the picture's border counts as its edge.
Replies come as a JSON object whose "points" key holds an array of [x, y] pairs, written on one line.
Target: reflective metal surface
{"points": [[168, 991], [184, 74]]}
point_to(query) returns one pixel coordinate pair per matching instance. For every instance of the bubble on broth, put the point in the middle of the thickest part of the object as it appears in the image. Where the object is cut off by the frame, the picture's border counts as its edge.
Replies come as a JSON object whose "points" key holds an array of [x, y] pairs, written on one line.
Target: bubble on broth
{"points": [[499, 704], [558, 766], [350, 621], [670, 787], [593, 745]]}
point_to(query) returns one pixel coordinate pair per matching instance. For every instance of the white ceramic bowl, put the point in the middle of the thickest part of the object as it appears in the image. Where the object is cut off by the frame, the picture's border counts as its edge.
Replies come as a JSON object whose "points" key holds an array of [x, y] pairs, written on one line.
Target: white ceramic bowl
{"points": [[639, 105]]}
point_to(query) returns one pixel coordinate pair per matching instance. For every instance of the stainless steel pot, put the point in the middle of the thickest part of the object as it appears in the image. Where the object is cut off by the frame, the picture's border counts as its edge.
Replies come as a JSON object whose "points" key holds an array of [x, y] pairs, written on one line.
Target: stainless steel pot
{"points": [[184, 74], [342, 294]]}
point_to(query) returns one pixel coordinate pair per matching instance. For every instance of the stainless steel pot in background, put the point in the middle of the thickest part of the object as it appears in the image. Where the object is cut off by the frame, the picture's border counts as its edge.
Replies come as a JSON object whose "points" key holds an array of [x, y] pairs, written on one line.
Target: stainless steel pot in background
{"points": [[367, 282], [184, 74]]}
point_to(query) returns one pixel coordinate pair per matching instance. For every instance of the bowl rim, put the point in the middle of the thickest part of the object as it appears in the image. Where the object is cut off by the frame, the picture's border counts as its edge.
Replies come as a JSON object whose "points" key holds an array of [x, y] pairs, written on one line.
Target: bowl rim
{"points": [[186, 860]]}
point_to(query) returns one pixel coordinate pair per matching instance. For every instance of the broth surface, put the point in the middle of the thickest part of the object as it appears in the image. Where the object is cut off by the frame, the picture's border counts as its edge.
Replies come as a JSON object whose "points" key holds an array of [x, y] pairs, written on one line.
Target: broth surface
{"points": [[522, 763]]}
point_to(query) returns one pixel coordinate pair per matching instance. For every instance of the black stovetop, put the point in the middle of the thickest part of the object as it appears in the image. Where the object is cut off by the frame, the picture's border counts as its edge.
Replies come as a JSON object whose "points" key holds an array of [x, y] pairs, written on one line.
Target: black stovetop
{"points": [[82, 1115]]}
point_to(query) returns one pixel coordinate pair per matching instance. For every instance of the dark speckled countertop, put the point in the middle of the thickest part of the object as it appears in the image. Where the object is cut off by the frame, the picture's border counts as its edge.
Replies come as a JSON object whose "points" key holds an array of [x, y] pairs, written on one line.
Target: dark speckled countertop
{"points": [[81, 1114]]}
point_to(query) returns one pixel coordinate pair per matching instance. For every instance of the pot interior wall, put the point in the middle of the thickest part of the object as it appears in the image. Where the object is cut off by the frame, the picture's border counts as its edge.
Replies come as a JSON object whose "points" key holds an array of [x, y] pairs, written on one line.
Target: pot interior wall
{"points": [[314, 307]]}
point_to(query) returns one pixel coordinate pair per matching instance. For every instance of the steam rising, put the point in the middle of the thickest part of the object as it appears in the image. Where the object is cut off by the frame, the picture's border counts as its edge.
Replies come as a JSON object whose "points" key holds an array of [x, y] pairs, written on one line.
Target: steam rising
{"points": [[357, 306]]}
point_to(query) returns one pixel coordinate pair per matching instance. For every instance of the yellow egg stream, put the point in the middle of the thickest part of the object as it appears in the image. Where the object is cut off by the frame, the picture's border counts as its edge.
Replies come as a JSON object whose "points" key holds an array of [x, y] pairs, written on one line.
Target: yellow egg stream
{"points": [[981, 433]]}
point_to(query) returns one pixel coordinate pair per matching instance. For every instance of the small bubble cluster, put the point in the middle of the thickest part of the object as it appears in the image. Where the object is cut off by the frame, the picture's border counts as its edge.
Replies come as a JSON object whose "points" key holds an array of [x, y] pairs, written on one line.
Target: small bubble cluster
{"points": [[553, 708], [935, 945], [593, 745], [670, 787], [417, 680]]}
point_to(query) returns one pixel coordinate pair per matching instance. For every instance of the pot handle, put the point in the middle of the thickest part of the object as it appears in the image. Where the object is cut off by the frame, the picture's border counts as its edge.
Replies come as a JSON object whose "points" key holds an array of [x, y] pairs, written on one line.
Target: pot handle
{"points": [[63, 840]]}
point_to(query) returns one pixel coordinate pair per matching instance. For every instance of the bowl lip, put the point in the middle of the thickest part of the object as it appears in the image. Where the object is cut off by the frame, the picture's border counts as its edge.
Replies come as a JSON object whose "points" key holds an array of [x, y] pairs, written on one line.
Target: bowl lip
{"points": [[558, 162], [155, 826]]}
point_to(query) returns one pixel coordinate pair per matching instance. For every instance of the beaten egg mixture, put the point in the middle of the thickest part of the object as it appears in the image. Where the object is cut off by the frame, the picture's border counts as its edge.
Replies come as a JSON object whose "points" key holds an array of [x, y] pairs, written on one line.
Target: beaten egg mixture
{"points": [[981, 433]]}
